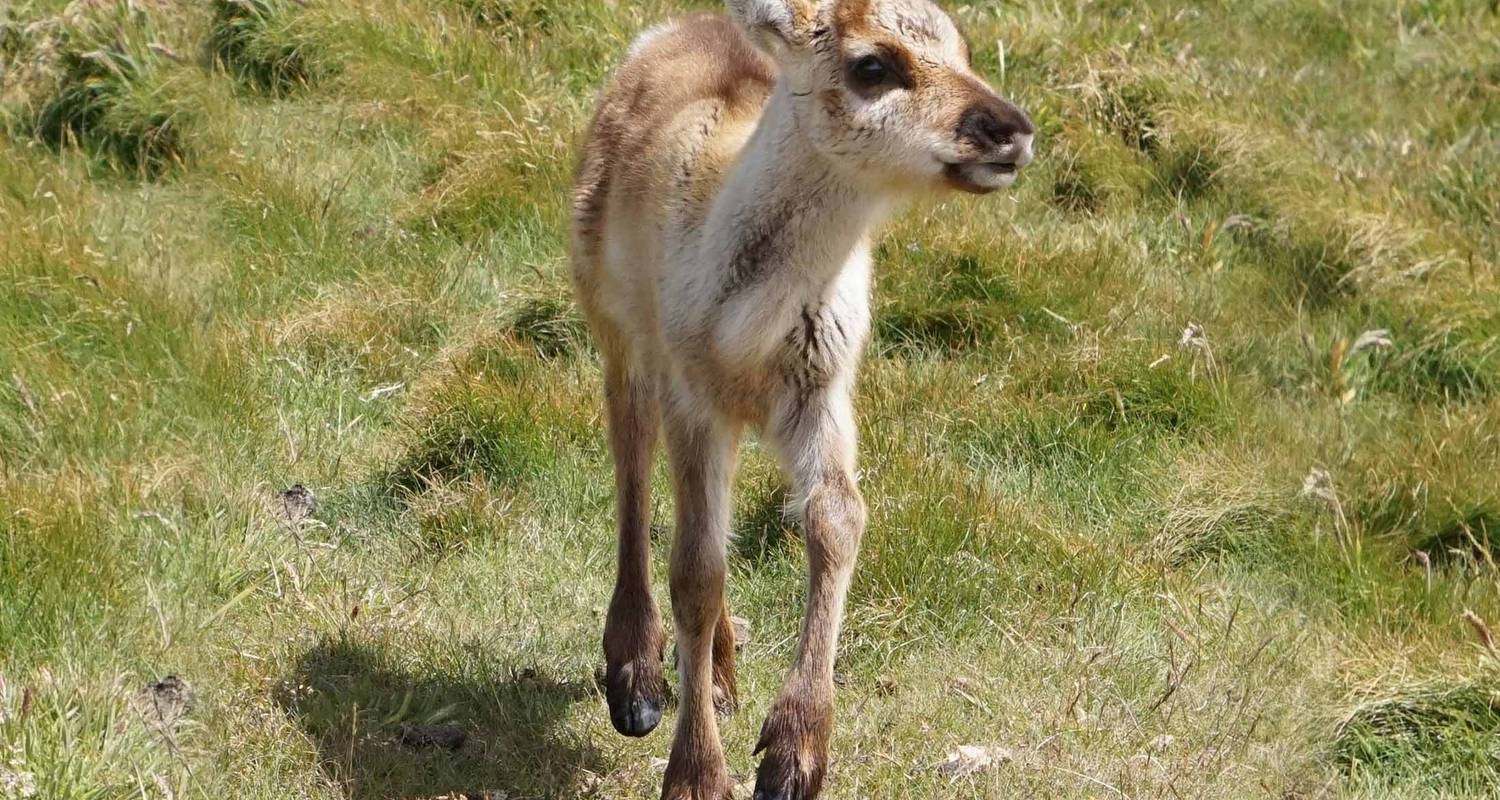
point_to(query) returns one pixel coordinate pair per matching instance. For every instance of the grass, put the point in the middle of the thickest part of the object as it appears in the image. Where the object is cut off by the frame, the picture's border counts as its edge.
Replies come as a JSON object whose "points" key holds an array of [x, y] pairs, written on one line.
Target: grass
{"points": [[256, 41], [102, 89], [1432, 734], [1179, 458]]}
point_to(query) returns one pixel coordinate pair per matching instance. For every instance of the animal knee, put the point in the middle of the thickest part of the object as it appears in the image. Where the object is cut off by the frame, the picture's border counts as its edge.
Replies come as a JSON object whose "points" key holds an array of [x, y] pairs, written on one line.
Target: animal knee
{"points": [[697, 594], [834, 517]]}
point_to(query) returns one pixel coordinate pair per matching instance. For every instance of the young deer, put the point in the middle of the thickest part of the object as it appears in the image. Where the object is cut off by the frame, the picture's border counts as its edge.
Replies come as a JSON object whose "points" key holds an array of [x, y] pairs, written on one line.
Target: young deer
{"points": [[730, 181]]}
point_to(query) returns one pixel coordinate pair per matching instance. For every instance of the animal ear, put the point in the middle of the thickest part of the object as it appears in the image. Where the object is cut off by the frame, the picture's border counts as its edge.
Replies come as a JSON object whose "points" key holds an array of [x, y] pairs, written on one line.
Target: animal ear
{"points": [[775, 25]]}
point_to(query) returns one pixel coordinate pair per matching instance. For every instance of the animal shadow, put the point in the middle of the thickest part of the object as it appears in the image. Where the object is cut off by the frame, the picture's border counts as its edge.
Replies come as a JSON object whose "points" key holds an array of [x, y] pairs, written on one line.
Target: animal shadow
{"points": [[384, 732]]}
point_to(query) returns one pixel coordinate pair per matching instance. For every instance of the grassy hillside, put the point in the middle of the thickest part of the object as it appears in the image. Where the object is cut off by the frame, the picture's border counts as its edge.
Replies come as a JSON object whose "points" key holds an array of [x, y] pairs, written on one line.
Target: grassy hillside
{"points": [[1181, 459]]}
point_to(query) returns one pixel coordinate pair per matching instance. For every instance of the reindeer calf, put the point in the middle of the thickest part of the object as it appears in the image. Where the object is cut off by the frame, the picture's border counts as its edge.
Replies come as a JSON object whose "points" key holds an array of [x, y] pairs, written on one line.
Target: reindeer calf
{"points": [[728, 188]]}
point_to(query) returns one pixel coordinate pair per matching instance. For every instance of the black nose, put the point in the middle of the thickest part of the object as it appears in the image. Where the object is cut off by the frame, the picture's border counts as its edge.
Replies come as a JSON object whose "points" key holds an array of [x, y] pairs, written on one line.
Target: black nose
{"points": [[993, 123]]}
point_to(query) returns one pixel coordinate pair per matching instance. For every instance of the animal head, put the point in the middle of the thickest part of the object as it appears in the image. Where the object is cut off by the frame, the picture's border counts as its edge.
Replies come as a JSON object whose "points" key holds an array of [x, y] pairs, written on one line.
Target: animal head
{"points": [[887, 89]]}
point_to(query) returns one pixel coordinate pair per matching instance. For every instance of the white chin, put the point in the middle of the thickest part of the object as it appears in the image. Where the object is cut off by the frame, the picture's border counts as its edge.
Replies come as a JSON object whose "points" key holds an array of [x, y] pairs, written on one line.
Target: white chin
{"points": [[988, 176]]}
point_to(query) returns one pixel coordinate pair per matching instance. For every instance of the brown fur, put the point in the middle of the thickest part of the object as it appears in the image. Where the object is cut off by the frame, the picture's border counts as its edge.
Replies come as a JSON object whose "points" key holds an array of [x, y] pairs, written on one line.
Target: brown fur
{"points": [[726, 688], [633, 637], [696, 769], [646, 95], [796, 732]]}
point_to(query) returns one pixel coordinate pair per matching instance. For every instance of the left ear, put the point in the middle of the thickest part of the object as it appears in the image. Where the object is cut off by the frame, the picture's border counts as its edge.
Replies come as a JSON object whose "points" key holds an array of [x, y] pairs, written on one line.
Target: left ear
{"points": [[776, 26]]}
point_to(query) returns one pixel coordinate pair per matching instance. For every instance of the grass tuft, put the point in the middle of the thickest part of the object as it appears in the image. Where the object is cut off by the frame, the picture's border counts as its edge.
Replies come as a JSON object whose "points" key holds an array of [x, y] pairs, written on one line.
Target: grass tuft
{"points": [[945, 331], [1189, 170], [1443, 735], [508, 428], [452, 517], [471, 438], [1216, 510], [105, 100], [1314, 264], [1168, 400], [253, 41], [1074, 189], [956, 301], [1129, 104], [511, 18], [1455, 360], [551, 326], [1469, 191], [1472, 534]]}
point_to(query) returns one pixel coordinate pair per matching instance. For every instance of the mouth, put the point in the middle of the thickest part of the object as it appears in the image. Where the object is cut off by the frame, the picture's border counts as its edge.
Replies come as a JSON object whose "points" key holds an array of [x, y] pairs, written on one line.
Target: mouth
{"points": [[980, 177]]}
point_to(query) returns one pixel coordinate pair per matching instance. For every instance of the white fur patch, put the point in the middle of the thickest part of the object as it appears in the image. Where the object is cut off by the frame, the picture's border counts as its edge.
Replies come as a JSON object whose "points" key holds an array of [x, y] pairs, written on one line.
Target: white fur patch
{"points": [[649, 37]]}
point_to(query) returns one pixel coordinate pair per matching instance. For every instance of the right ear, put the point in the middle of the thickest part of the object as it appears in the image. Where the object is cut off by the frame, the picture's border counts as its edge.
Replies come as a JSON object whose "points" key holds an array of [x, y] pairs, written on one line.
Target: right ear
{"points": [[775, 26]]}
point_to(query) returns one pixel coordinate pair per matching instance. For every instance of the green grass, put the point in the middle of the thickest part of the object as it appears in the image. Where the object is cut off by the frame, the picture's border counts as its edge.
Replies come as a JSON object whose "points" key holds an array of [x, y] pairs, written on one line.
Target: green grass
{"points": [[1153, 504], [1436, 735], [256, 41], [103, 90]]}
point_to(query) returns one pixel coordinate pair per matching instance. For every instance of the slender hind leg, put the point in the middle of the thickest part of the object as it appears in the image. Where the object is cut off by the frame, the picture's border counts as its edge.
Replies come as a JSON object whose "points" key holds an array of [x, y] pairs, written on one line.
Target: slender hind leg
{"points": [[703, 457], [633, 636], [726, 691]]}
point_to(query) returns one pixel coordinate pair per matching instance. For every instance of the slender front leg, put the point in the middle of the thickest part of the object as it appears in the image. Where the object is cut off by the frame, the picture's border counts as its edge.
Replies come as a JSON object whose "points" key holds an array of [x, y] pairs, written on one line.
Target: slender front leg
{"points": [[726, 691], [703, 458], [816, 437], [634, 683]]}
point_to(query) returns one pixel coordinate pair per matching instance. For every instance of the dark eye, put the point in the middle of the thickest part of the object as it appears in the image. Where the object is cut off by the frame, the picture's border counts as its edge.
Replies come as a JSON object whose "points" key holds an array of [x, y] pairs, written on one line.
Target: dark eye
{"points": [[868, 71]]}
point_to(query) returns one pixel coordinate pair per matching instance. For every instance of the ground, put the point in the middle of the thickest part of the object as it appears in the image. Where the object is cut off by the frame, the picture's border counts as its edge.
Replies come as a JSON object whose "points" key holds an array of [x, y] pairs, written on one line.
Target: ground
{"points": [[1181, 457]]}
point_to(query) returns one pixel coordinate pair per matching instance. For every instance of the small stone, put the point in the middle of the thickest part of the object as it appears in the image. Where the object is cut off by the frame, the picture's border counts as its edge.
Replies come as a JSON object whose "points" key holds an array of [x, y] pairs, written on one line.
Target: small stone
{"points": [[418, 737], [970, 759], [298, 503], [167, 701]]}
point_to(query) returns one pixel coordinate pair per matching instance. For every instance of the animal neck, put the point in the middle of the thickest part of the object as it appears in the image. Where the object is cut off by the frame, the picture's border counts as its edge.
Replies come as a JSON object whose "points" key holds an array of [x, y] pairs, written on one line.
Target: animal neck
{"points": [[788, 209]]}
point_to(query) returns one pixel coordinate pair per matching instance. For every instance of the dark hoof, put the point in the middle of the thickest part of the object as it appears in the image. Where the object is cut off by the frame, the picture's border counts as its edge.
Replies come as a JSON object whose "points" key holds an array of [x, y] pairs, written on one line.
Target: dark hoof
{"points": [[782, 775], [785, 786], [634, 715], [636, 696]]}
